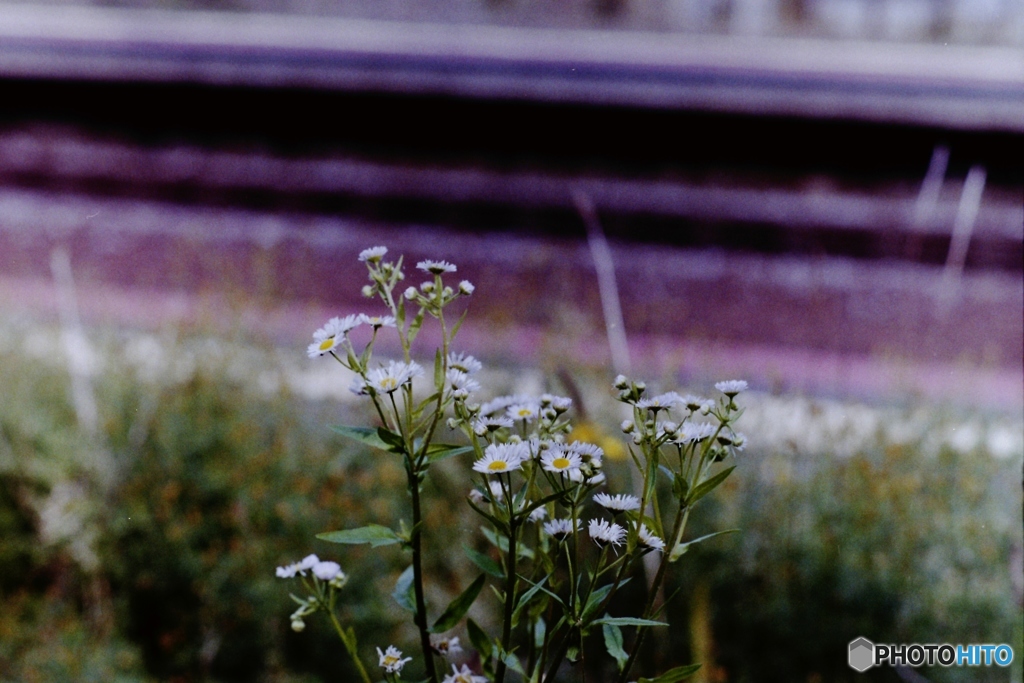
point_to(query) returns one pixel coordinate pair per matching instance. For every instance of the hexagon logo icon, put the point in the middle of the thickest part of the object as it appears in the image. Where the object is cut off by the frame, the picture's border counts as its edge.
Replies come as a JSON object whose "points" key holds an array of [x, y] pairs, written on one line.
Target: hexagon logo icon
{"points": [[862, 654]]}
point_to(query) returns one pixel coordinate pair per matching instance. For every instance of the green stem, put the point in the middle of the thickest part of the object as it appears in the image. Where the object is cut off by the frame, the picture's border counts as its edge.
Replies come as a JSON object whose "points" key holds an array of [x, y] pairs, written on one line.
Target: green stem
{"points": [[641, 632], [417, 574], [350, 646], [510, 599]]}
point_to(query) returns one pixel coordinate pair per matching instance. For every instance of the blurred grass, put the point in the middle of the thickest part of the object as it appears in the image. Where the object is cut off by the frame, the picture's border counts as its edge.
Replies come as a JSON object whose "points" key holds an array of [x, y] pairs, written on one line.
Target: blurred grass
{"points": [[146, 551]]}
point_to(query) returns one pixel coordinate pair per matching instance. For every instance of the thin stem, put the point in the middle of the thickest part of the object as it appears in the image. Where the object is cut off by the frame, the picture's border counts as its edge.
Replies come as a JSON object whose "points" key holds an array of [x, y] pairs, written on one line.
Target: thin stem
{"points": [[641, 632], [350, 646], [417, 574], [510, 598]]}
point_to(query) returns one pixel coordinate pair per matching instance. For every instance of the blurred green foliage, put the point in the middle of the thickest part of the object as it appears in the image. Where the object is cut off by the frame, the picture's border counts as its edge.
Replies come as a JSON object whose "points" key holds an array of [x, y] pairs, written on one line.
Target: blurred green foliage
{"points": [[147, 551]]}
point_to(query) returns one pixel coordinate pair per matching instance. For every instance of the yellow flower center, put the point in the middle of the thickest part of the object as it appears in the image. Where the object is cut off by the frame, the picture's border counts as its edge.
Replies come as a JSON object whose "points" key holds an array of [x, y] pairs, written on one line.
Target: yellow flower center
{"points": [[498, 466], [390, 660], [524, 412], [560, 463], [327, 344], [389, 384]]}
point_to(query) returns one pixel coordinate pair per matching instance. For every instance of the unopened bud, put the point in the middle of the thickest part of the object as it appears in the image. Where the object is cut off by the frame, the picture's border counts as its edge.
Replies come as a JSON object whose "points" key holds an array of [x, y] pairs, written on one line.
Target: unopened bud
{"points": [[368, 291], [628, 426]]}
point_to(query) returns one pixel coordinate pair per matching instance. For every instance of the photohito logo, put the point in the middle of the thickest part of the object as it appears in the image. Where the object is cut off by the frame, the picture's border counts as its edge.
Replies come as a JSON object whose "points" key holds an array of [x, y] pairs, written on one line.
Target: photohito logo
{"points": [[863, 654]]}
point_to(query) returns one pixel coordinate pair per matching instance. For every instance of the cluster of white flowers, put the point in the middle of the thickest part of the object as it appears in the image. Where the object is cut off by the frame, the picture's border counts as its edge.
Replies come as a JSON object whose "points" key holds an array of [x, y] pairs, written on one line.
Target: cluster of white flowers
{"points": [[390, 378], [325, 570]]}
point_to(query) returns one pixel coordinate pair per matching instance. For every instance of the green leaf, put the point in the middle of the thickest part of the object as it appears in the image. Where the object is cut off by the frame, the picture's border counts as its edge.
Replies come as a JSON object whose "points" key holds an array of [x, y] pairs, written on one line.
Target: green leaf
{"points": [[363, 434], [512, 662], [374, 534], [441, 451], [414, 326], [680, 487], [458, 324], [485, 563], [680, 549], [438, 370], [706, 487], [629, 621], [501, 543], [403, 593], [525, 598], [613, 644], [394, 441], [674, 675], [596, 598], [479, 639], [458, 607]]}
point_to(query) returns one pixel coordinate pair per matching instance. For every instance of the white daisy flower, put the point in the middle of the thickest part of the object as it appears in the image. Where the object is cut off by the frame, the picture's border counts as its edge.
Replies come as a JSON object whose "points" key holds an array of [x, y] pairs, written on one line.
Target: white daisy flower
{"points": [[538, 514], [693, 403], [358, 386], [373, 254], [591, 453], [731, 387], [460, 381], [696, 431], [661, 401], [620, 502], [484, 425], [377, 321], [605, 533], [560, 461], [649, 539], [466, 287], [436, 267], [522, 411], [327, 338], [463, 676], [497, 493], [327, 571], [388, 379], [446, 646], [464, 362], [391, 659], [559, 528], [501, 457], [307, 563]]}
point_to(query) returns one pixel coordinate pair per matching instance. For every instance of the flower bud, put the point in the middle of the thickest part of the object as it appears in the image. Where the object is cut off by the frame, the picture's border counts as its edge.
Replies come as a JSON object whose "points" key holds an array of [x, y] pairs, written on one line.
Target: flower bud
{"points": [[628, 426], [621, 383], [466, 287], [637, 438], [410, 293], [368, 291], [298, 625], [427, 287]]}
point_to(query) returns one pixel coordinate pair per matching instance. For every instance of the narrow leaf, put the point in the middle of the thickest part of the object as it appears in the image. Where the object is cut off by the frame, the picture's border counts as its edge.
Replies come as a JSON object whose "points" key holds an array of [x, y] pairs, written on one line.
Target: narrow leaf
{"points": [[674, 675], [525, 598], [458, 607], [364, 434], [629, 621], [394, 441], [613, 644], [374, 534], [680, 549], [706, 487], [485, 563], [479, 639], [403, 593], [441, 451]]}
